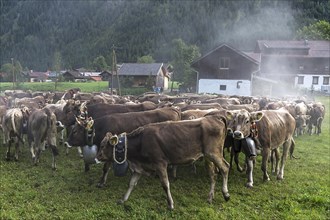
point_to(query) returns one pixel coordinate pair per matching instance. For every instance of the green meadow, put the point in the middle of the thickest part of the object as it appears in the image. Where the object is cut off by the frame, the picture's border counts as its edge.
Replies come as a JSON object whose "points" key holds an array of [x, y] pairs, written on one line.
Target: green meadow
{"points": [[38, 192]]}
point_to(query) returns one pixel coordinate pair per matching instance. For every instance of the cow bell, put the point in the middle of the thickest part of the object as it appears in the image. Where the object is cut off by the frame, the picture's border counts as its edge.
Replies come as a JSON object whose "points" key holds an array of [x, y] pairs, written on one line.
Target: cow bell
{"points": [[120, 169], [249, 148], [120, 164], [89, 154]]}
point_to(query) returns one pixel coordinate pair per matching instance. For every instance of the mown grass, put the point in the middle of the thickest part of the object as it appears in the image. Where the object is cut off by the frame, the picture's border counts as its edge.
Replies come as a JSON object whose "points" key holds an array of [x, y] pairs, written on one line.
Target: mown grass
{"points": [[37, 192]]}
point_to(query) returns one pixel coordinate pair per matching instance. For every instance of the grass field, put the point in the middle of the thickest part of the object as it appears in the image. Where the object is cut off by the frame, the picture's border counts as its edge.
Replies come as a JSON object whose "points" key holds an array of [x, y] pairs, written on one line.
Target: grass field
{"points": [[37, 192]]}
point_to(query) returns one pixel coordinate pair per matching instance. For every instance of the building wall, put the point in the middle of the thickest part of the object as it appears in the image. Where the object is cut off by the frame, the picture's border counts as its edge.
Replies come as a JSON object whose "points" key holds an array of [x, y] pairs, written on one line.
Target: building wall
{"points": [[308, 82], [213, 86]]}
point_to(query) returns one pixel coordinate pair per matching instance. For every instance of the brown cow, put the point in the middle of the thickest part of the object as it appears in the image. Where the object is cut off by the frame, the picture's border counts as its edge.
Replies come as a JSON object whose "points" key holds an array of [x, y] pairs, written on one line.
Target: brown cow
{"points": [[275, 128], [13, 124], [317, 113], [195, 113], [72, 109], [117, 123], [153, 147], [42, 129]]}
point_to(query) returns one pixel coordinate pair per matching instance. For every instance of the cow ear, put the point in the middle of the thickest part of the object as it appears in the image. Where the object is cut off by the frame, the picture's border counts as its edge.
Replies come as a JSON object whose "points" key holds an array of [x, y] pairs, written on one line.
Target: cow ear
{"points": [[113, 140], [256, 116], [229, 115], [90, 123]]}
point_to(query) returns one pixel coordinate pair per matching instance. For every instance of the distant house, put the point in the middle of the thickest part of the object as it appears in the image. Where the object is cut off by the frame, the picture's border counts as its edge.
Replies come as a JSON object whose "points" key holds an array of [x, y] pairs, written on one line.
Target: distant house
{"points": [[142, 73], [300, 64], [225, 70], [81, 75], [36, 76], [268, 70]]}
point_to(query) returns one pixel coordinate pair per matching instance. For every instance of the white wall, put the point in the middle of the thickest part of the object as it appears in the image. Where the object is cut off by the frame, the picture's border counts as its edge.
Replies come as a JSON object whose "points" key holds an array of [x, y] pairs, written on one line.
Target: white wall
{"points": [[213, 86], [308, 80]]}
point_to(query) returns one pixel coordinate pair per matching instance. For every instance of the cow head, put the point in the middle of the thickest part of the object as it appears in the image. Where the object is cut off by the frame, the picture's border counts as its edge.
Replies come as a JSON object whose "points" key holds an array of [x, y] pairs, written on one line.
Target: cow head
{"points": [[240, 122], [106, 147], [114, 148], [70, 110], [82, 132]]}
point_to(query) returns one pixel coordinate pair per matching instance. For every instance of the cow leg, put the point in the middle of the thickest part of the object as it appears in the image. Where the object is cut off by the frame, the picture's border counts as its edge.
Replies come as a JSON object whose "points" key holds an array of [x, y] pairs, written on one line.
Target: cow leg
{"points": [[239, 168], [16, 150], [163, 176], [213, 176], [87, 167], [132, 183], [286, 147], [106, 169], [274, 159], [249, 172], [223, 166], [8, 149], [265, 156], [293, 144], [80, 152]]}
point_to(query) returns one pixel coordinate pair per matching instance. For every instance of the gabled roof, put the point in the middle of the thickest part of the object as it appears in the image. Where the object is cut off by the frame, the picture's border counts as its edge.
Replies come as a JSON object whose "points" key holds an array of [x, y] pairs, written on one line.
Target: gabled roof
{"points": [[231, 48], [41, 75], [316, 48], [73, 73], [140, 69]]}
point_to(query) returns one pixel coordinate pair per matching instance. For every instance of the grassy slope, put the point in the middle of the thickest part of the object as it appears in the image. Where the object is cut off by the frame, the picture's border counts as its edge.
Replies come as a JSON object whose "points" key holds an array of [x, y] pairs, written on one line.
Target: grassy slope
{"points": [[37, 192]]}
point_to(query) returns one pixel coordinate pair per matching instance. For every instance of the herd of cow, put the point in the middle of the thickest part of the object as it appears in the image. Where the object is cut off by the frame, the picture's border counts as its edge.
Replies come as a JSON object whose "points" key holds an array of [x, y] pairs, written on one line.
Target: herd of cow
{"points": [[154, 132]]}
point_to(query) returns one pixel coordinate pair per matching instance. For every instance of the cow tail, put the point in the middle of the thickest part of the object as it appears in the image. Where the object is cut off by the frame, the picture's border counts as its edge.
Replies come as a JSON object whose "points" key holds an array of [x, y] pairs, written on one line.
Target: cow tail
{"points": [[135, 132], [292, 146], [13, 122]]}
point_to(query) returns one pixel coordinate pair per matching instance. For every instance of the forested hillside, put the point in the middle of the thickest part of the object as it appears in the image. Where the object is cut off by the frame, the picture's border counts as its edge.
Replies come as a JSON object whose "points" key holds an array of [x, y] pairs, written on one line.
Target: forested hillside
{"points": [[39, 33]]}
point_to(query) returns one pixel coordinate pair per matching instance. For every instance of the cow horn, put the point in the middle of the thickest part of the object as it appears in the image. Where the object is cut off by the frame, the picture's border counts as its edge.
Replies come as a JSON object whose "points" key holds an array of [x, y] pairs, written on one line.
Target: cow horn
{"points": [[79, 121]]}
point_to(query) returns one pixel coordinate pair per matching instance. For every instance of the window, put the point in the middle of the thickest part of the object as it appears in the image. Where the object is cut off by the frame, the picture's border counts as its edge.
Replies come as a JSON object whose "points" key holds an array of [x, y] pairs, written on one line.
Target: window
{"points": [[223, 87], [224, 62], [315, 80], [326, 68], [300, 79], [301, 67], [326, 80]]}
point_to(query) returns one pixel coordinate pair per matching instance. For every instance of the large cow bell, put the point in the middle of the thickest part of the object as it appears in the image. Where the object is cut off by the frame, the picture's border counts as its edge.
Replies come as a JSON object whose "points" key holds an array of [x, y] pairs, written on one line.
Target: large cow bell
{"points": [[249, 148], [120, 164], [120, 169], [89, 153]]}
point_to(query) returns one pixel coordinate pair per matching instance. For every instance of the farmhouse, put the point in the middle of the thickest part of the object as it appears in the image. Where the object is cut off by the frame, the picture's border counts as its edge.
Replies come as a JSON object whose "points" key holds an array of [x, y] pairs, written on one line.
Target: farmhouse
{"points": [[36, 76], [225, 70], [144, 74], [273, 67]]}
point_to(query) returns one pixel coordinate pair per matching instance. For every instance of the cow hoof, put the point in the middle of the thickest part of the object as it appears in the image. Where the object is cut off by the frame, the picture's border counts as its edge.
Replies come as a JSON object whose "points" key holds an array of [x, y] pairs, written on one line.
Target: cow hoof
{"points": [[249, 185], [100, 185], [226, 196], [280, 178], [120, 202]]}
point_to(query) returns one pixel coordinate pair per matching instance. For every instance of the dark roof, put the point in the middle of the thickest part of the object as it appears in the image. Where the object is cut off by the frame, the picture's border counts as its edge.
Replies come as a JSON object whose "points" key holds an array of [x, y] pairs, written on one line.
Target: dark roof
{"points": [[316, 48], [140, 69], [37, 75], [231, 48], [74, 73]]}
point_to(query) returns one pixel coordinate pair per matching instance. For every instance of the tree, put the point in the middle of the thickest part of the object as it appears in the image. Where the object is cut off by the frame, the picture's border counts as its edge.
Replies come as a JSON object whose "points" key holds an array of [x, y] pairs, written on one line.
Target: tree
{"points": [[145, 59], [99, 64], [317, 31], [183, 56]]}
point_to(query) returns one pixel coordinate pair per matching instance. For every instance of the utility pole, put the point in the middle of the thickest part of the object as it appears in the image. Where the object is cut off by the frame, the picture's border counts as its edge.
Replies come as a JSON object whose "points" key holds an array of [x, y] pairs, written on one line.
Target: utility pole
{"points": [[114, 70], [13, 72]]}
